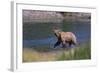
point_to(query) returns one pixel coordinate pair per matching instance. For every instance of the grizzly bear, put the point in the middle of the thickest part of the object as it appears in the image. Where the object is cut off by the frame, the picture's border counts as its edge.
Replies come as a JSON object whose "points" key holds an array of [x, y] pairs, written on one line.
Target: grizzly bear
{"points": [[64, 38]]}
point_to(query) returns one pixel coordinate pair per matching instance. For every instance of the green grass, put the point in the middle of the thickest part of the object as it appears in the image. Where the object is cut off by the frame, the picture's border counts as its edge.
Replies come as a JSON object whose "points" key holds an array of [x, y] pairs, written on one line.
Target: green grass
{"points": [[79, 53], [45, 54]]}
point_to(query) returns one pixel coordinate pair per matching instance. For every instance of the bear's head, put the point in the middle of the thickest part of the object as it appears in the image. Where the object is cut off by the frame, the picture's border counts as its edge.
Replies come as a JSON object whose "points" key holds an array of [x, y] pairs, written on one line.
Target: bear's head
{"points": [[57, 32]]}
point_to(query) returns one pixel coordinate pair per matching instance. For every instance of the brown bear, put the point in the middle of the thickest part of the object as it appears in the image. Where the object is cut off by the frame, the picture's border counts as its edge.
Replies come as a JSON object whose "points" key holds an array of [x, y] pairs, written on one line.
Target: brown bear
{"points": [[64, 38]]}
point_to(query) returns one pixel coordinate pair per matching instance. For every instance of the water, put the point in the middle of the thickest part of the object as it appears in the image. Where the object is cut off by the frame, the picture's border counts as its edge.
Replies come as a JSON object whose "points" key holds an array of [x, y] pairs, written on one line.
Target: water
{"points": [[39, 35]]}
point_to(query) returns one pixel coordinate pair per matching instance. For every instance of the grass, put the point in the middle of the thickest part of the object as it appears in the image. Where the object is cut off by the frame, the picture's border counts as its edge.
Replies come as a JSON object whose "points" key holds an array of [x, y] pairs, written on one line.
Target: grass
{"points": [[31, 56], [78, 53]]}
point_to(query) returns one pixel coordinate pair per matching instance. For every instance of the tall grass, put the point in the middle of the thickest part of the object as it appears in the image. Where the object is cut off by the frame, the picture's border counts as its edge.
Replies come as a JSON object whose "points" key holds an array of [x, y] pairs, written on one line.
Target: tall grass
{"points": [[78, 53], [45, 54]]}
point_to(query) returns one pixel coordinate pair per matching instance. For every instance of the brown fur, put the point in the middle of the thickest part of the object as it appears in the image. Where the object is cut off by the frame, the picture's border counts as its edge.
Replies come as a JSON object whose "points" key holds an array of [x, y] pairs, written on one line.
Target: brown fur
{"points": [[65, 37]]}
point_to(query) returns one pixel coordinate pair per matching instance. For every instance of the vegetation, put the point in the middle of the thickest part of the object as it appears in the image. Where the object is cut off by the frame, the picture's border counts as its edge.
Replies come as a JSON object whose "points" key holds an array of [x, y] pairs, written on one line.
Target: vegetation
{"points": [[82, 52], [78, 53]]}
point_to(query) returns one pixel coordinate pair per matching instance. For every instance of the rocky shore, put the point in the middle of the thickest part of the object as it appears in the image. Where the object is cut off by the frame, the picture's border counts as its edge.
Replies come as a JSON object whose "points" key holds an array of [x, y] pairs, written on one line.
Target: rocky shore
{"points": [[54, 17]]}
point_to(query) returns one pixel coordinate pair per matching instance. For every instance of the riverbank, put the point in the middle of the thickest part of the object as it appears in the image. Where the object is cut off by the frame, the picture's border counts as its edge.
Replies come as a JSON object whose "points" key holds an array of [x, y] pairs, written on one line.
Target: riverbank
{"points": [[53, 17], [78, 53]]}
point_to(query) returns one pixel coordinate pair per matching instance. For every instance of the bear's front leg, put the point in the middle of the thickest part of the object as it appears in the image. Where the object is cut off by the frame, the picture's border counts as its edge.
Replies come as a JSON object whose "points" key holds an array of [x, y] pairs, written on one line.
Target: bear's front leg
{"points": [[57, 43]]}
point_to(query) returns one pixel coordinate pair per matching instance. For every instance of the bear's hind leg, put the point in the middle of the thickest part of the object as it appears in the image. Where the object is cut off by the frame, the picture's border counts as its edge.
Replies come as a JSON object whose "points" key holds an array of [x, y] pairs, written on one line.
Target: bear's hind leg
{"points": [[70, 43], [63, 44]]}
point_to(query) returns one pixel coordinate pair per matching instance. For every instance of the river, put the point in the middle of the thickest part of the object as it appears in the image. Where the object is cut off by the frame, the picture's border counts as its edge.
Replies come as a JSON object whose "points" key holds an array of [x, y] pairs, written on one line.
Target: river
{"points": [[40, 34]]}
